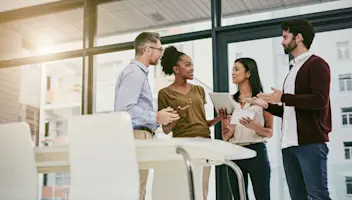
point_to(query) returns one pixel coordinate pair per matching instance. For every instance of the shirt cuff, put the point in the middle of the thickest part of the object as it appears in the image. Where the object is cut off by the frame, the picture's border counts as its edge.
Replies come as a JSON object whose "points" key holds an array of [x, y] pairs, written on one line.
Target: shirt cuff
{"points": [[152, 118]]}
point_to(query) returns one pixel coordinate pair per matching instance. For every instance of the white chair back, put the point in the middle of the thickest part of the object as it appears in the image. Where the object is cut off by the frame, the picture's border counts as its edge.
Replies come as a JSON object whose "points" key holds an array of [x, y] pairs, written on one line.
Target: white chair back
{"points": [[103, 161], [18, 172], [175, 173]]}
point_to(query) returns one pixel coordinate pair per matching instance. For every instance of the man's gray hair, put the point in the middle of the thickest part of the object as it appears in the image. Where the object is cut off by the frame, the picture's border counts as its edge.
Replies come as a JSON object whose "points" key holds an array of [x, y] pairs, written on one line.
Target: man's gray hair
{"points": [[142, 39]]}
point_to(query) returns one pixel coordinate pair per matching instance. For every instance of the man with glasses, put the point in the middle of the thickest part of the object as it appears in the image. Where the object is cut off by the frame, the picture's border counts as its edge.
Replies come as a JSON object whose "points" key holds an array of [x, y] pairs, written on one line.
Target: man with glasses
{"points": [[133, 94]]}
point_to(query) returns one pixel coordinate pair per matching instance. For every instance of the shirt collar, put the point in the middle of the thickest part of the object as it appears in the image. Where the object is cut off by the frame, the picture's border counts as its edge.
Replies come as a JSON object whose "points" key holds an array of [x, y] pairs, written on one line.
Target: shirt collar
{"points": [[301, 57], [140, 65]]}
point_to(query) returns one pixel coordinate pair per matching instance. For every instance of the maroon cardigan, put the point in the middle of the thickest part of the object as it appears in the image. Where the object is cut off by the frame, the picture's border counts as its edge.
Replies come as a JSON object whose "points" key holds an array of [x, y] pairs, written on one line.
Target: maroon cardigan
{"points": [[311, 101]]}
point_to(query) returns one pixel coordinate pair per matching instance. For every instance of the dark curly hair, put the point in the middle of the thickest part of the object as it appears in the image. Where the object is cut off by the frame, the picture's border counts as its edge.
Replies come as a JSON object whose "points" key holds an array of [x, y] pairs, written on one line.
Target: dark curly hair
{"points": [[301, 26], [169, 59]]}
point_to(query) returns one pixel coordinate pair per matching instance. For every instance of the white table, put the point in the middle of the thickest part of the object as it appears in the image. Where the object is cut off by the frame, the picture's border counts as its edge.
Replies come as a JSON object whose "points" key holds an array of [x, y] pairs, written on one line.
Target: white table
{"points": [[151, 153]]}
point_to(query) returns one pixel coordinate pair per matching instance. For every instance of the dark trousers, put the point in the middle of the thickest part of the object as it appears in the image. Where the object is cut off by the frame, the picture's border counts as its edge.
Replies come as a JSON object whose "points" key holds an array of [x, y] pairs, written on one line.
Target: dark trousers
{"points": [[258, 168], [306, 171]]}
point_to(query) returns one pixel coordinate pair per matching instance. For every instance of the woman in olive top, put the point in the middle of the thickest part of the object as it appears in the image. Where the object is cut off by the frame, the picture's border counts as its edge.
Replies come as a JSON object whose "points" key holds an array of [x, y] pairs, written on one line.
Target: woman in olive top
{"points": [[188, 99], [249, 133]]}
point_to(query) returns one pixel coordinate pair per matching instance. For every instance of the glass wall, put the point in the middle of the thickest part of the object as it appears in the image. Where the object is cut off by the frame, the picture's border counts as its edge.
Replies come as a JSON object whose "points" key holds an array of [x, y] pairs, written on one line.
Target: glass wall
{"points": [[334, 47], [45, 94], [115, 26], [61, 92], [46, 34], [20, 96], [121, 21], [247, 11]]}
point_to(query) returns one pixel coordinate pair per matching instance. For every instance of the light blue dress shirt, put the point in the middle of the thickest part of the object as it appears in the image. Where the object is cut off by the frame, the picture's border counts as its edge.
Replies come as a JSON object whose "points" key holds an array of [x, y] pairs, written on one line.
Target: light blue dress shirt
{"points": [[133, 94]]}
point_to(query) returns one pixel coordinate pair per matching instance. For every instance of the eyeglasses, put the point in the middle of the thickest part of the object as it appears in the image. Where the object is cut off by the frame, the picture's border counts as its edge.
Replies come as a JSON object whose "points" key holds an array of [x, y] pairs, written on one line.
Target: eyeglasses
{"points": [[160, 49]]}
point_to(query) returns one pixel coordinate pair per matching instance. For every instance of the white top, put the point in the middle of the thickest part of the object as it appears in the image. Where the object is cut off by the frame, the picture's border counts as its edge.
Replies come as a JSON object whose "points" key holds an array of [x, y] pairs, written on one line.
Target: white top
{"points": [[289, 135], [246, 135]]}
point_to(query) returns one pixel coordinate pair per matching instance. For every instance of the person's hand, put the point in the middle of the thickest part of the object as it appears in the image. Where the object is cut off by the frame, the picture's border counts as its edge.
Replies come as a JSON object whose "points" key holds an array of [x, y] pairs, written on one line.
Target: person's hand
{"points": [[228, 130], [248, 123], [182, 110], [166, 116], [257, 101], [222, 114], [274, 97], [227, 124]]}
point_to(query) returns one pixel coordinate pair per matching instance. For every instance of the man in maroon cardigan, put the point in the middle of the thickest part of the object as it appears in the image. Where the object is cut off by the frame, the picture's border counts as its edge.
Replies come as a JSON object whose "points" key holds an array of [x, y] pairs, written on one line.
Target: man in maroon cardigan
{"points": [[304, 106]]}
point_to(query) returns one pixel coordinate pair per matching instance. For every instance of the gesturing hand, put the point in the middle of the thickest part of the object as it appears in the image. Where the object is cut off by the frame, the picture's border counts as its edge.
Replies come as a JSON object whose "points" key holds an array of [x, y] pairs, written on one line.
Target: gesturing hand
{"points": [[166, 116], [182, 110], [274, 97], [222, 114], [257, 101]]}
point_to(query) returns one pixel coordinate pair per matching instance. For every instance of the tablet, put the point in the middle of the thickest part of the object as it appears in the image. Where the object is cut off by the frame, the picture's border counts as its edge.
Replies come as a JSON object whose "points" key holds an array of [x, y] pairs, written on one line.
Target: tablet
{"points": [[238, 114], [222, 100]]}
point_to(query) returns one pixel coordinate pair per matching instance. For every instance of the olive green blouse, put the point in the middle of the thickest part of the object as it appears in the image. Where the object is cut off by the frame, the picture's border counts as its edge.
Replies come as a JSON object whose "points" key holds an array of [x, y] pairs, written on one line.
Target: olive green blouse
{"points": [[194, 123]]}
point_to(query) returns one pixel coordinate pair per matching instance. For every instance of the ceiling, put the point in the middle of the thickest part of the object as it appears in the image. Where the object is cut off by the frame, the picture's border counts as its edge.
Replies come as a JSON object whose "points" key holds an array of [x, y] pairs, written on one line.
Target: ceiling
{"points": [[119, 17], [16, 4]]}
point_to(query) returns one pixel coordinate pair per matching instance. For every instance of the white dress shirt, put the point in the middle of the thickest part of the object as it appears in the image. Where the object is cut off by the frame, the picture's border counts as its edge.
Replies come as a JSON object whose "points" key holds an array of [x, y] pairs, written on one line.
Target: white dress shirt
{"points": [[133, 95], [289, 135]]}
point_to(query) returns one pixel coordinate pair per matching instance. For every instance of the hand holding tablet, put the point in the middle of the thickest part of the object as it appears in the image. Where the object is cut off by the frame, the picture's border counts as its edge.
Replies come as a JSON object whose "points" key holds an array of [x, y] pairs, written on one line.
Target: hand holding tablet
{"points": [[237, 115], [222, 101]]}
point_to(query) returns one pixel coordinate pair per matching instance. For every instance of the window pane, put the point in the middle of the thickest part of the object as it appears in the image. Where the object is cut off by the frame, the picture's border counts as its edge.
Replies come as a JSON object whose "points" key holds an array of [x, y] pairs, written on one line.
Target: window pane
{"points": [[239, 12], [272, 72], [122, 21], [344, 119], [337, 168], [347, 153], [350, 119], [349, 188], [57, 32], [109, 67], [349, 85], [43, 95], [342, 85], [342, 49]]}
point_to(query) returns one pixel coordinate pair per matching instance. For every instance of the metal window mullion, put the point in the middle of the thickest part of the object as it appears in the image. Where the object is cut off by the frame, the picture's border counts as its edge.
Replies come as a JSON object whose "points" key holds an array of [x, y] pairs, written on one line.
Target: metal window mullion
{"points": [[88, 72]]}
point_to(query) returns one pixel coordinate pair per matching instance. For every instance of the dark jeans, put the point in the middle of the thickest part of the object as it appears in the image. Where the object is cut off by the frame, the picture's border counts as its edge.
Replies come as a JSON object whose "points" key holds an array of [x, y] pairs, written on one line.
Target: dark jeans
{"points": [[258, 168], [305, 169]]}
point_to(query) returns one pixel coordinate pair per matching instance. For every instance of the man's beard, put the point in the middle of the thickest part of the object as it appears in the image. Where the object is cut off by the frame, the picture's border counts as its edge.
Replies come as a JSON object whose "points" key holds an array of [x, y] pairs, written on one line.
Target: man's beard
{"points": [[290, 47], [154, 62]]}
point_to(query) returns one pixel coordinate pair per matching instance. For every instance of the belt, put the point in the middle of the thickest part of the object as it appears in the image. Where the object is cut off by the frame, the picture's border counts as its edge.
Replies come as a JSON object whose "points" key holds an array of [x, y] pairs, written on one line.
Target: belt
{"points": [[143, 128], [246, 143]]}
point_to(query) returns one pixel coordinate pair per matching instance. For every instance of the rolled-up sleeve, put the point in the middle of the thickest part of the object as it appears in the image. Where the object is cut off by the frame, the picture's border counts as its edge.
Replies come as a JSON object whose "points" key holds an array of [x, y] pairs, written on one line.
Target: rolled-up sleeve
{"points": [[127, 93]]}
